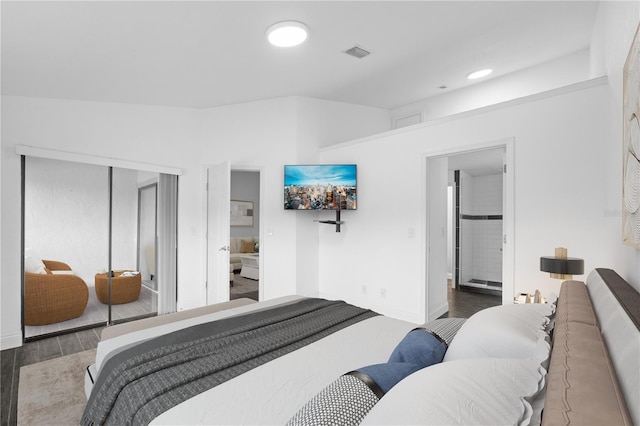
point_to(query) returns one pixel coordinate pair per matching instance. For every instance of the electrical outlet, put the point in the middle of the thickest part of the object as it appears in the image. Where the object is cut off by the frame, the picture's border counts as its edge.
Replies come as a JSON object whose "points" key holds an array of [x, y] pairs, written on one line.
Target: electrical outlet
{"points": [[364, 289], [383, 292]]}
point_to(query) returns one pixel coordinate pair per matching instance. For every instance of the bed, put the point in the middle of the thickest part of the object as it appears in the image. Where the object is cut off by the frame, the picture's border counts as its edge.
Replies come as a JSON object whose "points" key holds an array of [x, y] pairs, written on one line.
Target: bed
{"points": [[297, 360]]}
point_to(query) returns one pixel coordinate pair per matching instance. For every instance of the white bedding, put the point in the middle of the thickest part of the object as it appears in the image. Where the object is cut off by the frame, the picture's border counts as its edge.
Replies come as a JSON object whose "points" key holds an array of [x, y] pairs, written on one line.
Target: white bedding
{"points": [[277, 389], [452, 393], [493, 373]]}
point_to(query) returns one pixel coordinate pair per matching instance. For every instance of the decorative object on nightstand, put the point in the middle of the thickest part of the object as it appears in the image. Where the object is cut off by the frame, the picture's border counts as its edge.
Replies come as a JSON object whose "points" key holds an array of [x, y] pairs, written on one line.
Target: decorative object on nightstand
{"points": [[530, 298], [560, 266]]}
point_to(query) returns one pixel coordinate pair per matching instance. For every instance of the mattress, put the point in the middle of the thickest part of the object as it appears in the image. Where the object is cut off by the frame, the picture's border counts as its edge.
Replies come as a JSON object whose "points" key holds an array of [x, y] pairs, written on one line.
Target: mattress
{"points": [[497, 368], [277, 389]]}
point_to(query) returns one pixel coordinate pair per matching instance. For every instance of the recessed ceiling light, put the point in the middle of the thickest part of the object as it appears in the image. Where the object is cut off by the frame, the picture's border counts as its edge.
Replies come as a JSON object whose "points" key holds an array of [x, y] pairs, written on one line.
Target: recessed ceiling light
{"points": [[287, 33], [479, 74]]}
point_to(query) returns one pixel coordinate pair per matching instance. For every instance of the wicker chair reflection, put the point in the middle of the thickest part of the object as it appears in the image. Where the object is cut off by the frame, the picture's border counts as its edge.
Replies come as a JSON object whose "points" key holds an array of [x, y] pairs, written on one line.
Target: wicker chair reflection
{"points": [[124, 289], [51, 298]]}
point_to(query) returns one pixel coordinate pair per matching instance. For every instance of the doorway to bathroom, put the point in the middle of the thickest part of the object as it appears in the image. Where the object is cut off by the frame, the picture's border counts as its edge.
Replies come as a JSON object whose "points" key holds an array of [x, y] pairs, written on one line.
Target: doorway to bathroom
{"points": [[477, 217], [470, 205]]}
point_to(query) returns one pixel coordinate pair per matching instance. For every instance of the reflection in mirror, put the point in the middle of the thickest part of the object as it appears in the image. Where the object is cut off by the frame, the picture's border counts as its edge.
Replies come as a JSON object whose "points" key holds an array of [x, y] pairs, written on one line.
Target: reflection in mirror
{"points": [[66, 240]]}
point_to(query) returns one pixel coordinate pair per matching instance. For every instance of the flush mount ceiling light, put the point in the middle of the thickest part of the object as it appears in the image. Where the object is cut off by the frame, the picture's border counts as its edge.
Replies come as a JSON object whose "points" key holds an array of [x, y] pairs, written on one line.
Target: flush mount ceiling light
{"points": [[479, 74], [287, 33]]}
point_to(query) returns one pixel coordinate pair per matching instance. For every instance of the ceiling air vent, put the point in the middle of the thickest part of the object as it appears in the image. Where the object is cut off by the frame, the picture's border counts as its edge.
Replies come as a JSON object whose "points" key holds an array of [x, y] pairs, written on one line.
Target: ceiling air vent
{"points": [[357, 52]]}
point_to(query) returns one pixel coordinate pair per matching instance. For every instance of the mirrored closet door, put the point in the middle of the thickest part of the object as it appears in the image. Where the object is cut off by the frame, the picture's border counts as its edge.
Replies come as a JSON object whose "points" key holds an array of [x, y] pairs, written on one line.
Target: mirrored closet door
{"points": [[91, 246]]}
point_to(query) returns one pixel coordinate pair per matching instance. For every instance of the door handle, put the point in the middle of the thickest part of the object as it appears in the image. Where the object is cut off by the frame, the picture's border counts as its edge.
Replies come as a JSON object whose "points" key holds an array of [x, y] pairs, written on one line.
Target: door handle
{"points": [[224, 248]]}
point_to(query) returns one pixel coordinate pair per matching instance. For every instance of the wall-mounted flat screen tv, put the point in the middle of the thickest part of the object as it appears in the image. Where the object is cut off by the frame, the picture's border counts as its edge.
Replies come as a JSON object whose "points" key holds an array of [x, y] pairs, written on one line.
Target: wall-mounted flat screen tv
{"points": [[320, 187]]}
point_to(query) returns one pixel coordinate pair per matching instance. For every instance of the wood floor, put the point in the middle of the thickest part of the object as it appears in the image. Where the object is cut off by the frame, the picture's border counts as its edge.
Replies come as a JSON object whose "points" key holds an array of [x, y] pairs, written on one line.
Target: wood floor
{"points": [[462, 304], [30, 353]]}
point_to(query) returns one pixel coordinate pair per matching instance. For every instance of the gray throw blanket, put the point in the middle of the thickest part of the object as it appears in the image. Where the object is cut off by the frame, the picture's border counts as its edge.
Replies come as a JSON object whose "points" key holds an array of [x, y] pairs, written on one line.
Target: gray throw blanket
{"points": [[142, 382]]}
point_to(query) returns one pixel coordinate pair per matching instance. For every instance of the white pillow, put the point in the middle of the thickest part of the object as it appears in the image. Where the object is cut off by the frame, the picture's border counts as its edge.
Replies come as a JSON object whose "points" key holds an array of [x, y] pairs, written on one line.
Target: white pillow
{"points": [[62, 272], [505, 331], [486, 391], [33, 263]]}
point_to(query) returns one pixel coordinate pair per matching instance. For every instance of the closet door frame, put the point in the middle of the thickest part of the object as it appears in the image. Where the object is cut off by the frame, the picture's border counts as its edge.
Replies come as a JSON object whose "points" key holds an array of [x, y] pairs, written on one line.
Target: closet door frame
{"points": [[110, 163]]}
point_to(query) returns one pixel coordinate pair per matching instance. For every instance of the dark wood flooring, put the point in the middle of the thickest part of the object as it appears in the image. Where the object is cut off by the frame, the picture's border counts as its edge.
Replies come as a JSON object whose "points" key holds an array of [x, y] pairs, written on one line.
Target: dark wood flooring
{"points": [[30, 353], [462, 304]]}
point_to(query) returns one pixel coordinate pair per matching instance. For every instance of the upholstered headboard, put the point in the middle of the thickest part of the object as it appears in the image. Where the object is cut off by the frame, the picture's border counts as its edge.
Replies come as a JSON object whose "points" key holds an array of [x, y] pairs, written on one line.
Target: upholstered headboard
{"points": [[617, 307], [593, 374]]}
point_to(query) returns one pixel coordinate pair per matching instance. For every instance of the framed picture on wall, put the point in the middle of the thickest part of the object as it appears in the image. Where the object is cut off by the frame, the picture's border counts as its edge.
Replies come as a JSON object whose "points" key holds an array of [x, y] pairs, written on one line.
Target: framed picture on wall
{"points": [[631, 147], [241, 213]]}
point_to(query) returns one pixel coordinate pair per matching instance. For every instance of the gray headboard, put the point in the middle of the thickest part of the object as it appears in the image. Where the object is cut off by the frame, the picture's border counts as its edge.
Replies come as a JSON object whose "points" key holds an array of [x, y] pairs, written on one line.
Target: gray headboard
{"points": [[617, 307]]}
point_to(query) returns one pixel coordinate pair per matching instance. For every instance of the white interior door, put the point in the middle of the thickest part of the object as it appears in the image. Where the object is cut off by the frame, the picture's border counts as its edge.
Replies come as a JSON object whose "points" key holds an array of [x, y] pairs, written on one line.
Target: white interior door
{"points": [[508, 224], [218, 228], [437, 184]]}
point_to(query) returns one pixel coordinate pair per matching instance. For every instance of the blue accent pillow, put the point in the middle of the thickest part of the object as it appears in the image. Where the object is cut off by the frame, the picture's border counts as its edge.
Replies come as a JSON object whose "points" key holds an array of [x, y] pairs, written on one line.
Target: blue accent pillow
{"points": [[417, 350], [388, 375], [419, 347]]}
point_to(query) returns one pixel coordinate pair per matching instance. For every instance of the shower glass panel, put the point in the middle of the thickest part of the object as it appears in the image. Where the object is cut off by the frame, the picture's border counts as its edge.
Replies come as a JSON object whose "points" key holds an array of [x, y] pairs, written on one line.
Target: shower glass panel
{"points": [[479, 249]]}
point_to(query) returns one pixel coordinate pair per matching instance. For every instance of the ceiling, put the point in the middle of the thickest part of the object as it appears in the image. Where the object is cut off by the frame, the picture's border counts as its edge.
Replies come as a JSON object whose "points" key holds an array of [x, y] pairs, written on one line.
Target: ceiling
{"points": [[479, 162], [209, 53]]}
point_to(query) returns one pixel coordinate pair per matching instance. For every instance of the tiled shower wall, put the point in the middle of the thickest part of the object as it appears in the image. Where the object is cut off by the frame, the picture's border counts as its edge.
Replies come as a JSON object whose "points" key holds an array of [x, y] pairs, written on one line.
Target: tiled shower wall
{"points": [[480, 231]]}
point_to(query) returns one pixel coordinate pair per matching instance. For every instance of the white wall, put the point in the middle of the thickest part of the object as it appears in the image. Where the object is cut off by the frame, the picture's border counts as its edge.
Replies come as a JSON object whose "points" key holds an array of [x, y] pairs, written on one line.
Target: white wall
{"points": [[574, 137], [266, 135], [58, 195], [260, 135], [323, 123], [547, 76], [615, 28], [67, 217], [578, 133], [558, 137], [328, 123], [164, 136]]}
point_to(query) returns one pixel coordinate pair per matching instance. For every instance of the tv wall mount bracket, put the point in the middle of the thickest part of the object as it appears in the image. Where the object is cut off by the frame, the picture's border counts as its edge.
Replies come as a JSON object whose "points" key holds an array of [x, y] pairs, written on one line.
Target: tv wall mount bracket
{"points": [[336, 222]]}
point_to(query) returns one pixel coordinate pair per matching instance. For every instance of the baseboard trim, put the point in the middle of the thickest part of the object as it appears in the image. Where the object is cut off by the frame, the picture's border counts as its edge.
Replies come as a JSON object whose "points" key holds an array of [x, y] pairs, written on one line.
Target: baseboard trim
{"points": [[10, 342], [437, 313]]}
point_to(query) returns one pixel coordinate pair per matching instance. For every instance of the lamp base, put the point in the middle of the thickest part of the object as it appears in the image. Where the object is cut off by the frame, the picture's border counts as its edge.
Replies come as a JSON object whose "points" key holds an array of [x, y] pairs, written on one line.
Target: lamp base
{"points": [[561, 276]]}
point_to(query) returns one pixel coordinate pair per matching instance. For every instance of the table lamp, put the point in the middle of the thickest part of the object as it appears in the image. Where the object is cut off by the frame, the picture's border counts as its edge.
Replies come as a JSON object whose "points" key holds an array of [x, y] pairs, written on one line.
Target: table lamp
{"points": [[560, 266]]}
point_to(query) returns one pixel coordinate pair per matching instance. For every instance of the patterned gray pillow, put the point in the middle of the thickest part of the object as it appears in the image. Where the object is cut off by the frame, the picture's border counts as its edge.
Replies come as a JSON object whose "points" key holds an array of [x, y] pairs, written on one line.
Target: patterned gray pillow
{"points": [[346, 401], [349, 398]]}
